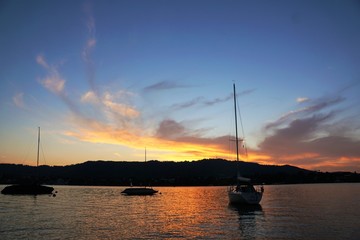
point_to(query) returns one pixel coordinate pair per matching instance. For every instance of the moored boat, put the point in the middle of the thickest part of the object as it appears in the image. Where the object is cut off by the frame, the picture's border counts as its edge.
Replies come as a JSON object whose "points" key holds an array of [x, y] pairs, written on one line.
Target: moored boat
{"points": [[244, 192], [27, 189], [30, 188], [139, 191]]}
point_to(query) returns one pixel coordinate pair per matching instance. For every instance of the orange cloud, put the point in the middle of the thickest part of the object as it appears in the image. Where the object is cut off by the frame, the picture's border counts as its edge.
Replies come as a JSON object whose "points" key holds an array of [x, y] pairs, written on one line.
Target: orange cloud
{"points": [[179, 148]]}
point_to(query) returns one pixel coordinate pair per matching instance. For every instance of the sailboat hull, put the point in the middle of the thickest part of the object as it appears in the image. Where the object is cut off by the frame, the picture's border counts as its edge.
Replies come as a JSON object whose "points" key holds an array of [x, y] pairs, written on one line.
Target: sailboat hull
{"points": [[141, 191], [23, 189], [237, 197]]}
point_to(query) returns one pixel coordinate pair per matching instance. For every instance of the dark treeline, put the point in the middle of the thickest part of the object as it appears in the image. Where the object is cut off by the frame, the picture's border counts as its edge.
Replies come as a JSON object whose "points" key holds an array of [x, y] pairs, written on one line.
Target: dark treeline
{"points": [[156, 173]]}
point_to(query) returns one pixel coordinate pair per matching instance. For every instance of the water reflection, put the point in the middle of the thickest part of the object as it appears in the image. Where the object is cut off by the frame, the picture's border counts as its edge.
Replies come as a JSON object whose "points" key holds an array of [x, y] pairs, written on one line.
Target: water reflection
{"points": [[286, 212], [250, 218]]}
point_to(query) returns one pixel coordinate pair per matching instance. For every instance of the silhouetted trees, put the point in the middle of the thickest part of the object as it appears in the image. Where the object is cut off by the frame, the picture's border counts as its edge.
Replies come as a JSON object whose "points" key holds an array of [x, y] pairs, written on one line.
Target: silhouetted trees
{"points": [[187, 173]]}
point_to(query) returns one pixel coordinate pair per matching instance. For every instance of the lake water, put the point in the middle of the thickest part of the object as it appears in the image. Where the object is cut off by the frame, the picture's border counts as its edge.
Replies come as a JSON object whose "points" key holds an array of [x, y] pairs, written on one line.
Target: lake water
{"points": [[316, 211]]}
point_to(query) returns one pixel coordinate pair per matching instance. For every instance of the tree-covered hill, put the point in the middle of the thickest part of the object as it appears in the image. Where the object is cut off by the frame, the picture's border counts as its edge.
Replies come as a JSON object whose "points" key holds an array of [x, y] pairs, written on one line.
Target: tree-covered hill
{"points": [[160, 173]]}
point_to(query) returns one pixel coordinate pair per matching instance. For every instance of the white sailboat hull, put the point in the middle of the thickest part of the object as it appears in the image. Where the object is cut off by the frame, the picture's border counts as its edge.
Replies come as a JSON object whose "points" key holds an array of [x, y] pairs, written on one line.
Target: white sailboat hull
{"points": [[237, 197]]}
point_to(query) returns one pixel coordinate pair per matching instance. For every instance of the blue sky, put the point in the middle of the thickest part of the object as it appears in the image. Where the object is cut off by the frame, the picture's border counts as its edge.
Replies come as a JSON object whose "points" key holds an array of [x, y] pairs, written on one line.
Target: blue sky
{"points": [[105, 79]]}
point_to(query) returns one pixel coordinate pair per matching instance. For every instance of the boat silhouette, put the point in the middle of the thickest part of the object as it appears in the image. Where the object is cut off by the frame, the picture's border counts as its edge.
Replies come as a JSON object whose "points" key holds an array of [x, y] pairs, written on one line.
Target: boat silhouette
{"points": [[139, 191], [244, 192], [29, 188]]}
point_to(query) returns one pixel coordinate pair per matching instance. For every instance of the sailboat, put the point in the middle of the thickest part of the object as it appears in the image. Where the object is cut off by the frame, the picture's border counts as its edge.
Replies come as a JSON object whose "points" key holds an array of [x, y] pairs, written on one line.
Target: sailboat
{"points": [[139, 191], [31, 188], [244, 192]]}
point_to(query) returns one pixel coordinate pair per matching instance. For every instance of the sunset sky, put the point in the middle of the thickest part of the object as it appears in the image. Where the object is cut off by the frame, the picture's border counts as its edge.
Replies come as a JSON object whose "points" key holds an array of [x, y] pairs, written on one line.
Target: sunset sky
{"points": [[106, 79]]}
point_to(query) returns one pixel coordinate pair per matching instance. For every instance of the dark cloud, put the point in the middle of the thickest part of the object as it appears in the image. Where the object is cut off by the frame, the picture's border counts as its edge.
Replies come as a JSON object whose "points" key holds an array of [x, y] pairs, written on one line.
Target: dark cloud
{"points": [[227, 98], [335, 146], [164, 85], [295, 138], [201, 101], [312, 137], [170, 129], [188, 104], [217, 100]]}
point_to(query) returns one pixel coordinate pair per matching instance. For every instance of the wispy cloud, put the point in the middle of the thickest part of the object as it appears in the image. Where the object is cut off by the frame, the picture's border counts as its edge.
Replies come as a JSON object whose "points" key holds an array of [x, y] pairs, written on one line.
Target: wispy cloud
{"points": [[302, 99], [217, 100], [18, 100], [203, 102], [90, 24], [111, 105], [188, 104], [164, 85], [53, 81], [89, 97], [89, 47], [118, 108], [313, 106], [41, 61]]}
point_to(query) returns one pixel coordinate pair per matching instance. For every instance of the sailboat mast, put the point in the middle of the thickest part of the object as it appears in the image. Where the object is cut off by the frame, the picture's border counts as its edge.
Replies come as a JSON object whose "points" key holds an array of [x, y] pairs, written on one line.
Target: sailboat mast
{"points": [[236, 128], [38, 148]]}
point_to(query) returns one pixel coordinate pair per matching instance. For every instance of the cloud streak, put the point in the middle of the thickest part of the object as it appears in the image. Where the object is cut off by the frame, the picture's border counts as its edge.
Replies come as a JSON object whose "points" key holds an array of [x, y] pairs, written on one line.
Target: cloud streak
{"points": [[18, 100], [203, 102], [164, 85], [53, 81], [302, 99], [89, 48], [314, 106]]}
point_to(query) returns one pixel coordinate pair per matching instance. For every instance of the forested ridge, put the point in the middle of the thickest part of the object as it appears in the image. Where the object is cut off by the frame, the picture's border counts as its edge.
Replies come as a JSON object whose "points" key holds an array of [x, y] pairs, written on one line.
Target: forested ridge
{"points": [[166, 173]]}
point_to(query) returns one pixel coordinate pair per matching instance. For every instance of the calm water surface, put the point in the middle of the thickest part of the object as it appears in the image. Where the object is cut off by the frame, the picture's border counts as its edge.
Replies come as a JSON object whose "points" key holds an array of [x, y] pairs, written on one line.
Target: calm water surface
{"points": [[319, 211]]}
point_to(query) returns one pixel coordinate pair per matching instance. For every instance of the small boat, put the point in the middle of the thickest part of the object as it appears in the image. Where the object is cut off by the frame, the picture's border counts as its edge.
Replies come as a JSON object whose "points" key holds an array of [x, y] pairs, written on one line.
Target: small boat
{"points": [[30, 188], [244, 192], [141, 191]]}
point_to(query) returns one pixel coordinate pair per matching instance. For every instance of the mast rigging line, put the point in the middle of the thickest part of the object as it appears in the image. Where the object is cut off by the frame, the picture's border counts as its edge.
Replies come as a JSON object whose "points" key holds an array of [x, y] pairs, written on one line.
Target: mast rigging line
{"points": [[237, 108]]}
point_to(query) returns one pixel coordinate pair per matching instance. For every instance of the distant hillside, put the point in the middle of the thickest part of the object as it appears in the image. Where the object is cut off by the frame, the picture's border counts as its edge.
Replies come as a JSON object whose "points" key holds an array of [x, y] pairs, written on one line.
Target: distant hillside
{"points": [[203, 172]]}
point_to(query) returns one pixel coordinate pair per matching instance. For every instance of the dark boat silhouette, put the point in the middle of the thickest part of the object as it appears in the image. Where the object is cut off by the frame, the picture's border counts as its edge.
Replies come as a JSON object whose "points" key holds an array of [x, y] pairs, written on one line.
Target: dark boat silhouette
{"points": [[27, 189], [139, 191], [30, 188]]}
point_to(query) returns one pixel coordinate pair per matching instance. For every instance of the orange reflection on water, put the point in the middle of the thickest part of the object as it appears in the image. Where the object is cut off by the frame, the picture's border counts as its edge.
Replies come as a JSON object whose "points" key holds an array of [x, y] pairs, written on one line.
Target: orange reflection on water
{"points": [[186, 211]]}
